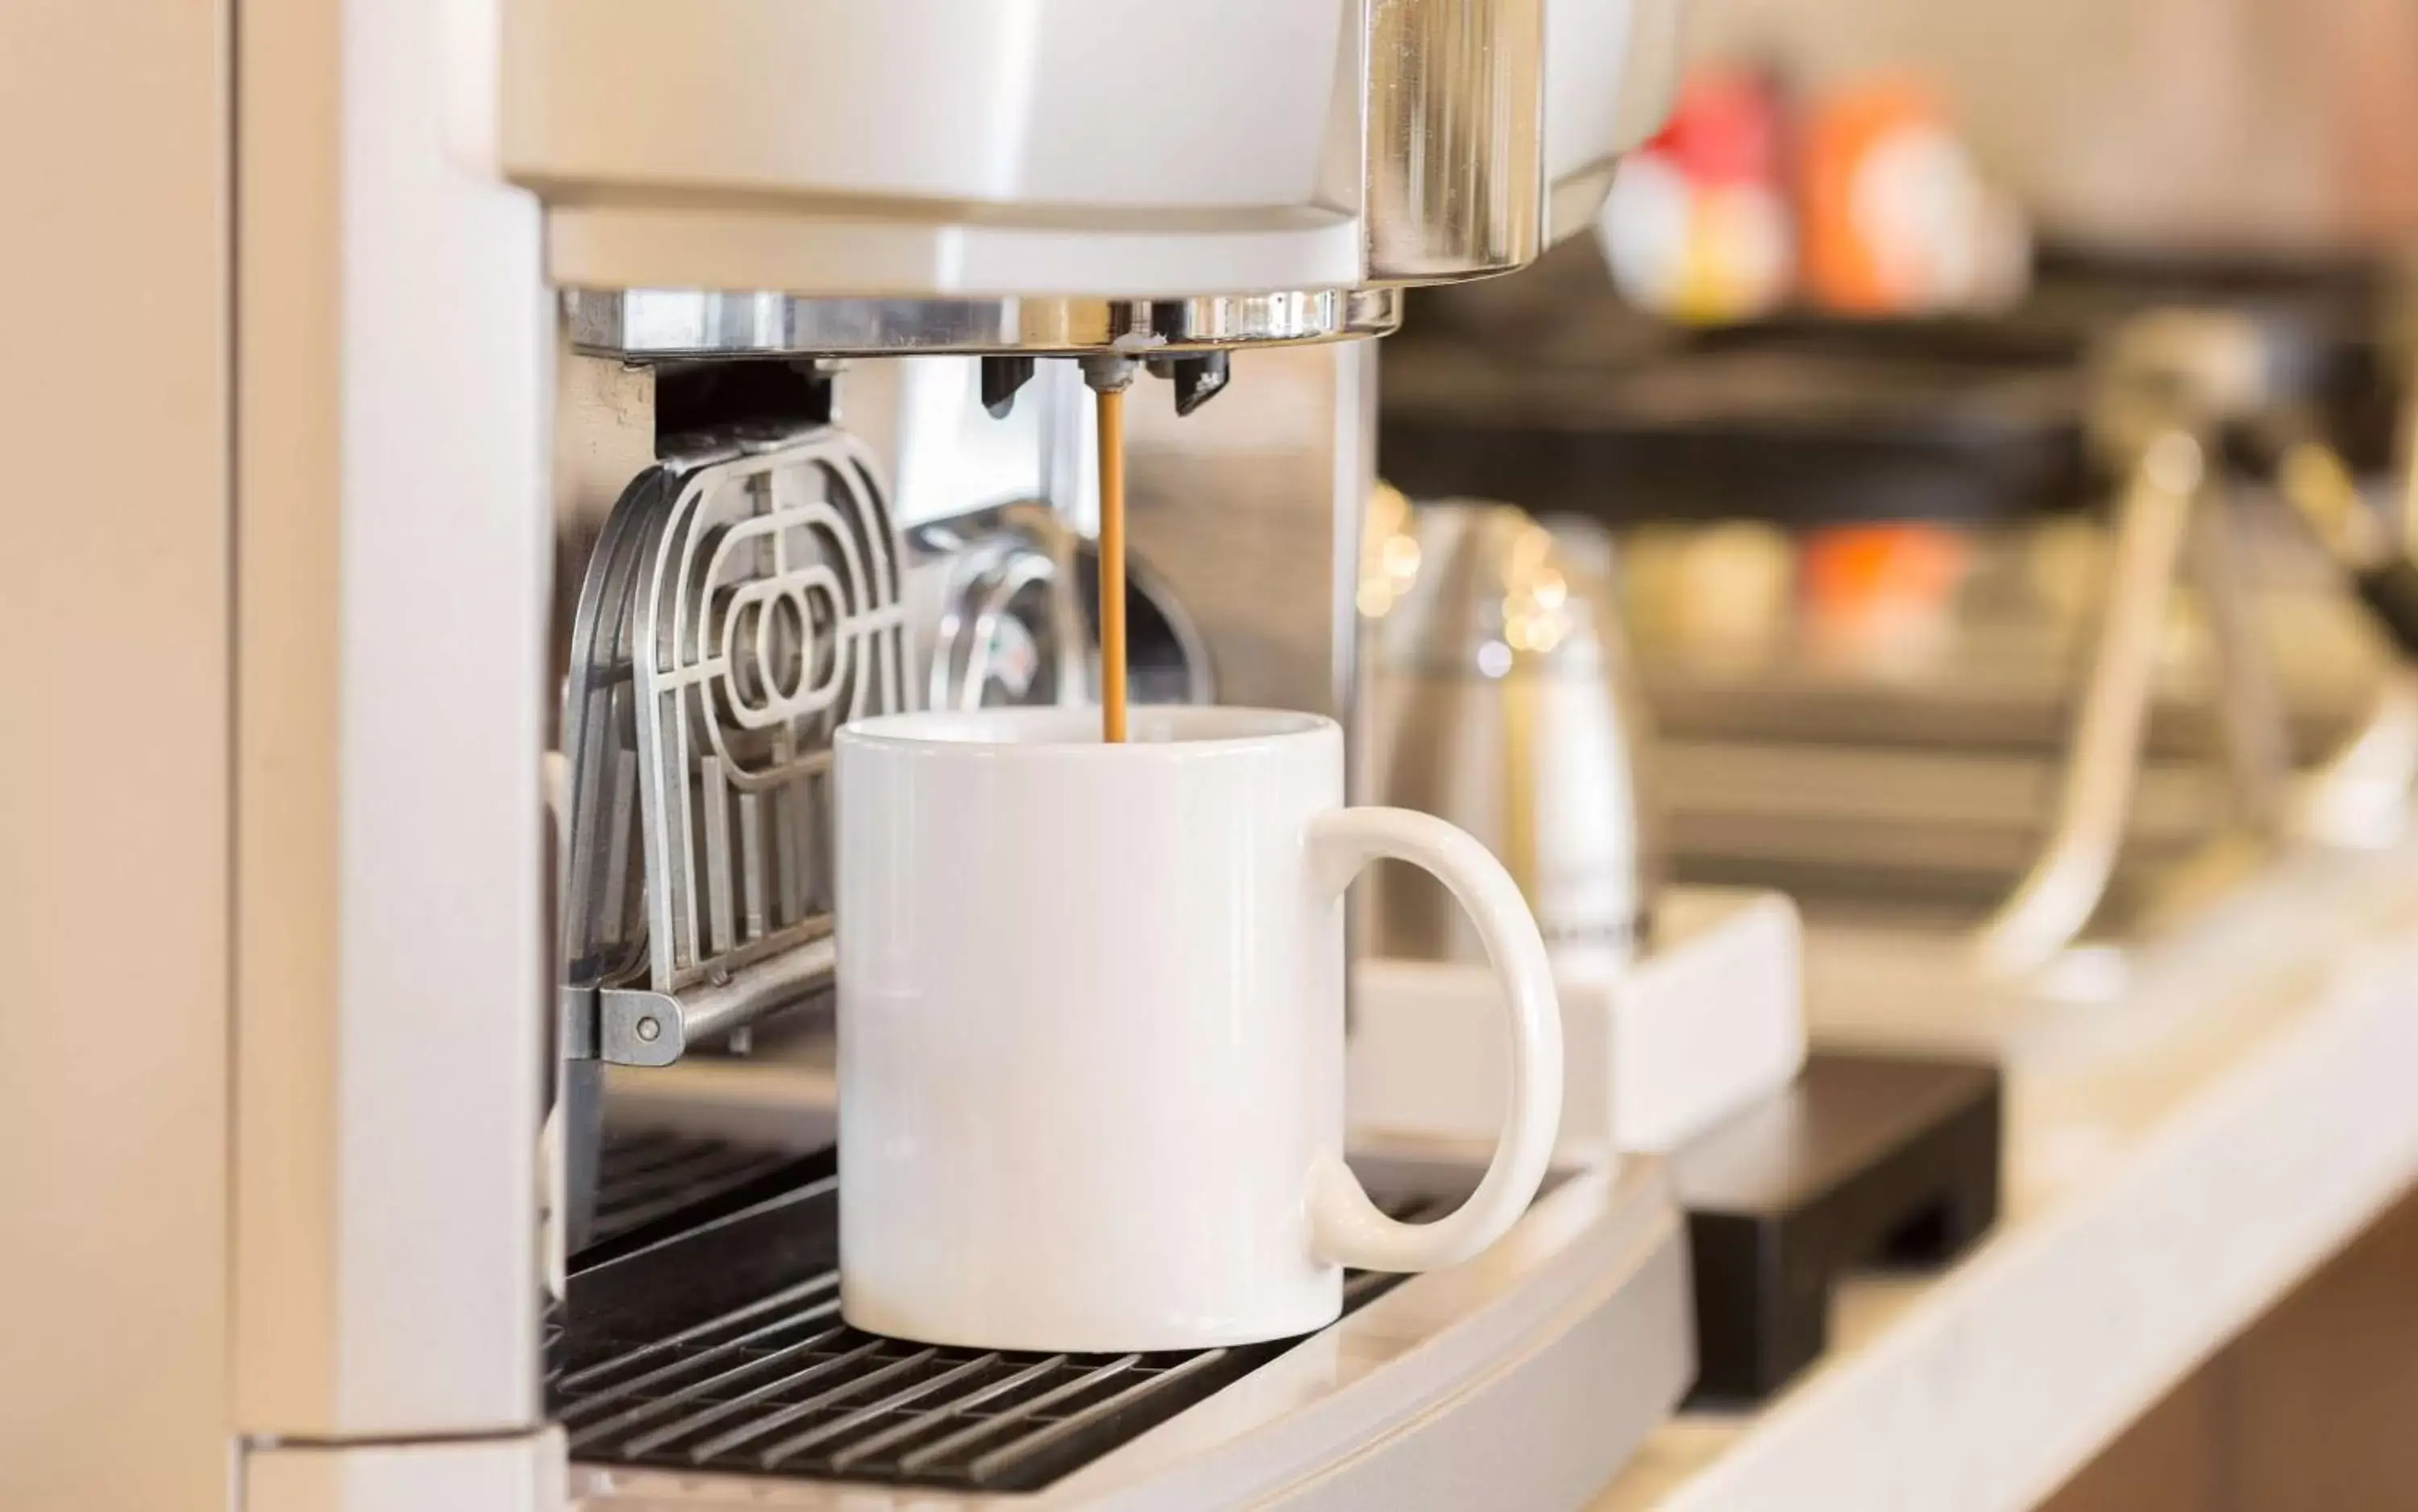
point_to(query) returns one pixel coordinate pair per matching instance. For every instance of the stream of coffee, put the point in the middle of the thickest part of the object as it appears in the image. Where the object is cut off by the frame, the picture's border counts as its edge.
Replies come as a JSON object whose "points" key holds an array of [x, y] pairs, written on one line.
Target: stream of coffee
{"points": [[1112, 563]]}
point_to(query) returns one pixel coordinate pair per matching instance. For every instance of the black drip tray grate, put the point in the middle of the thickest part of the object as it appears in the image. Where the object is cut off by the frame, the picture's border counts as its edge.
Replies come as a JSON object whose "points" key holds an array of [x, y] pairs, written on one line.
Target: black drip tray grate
{"points": [[750, 1370], [644, 1178]]}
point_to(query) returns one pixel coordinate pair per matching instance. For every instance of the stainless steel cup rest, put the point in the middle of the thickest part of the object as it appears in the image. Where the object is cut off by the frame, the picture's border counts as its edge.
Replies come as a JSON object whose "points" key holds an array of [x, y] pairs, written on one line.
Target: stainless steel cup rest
{"points": [[740, 604]]}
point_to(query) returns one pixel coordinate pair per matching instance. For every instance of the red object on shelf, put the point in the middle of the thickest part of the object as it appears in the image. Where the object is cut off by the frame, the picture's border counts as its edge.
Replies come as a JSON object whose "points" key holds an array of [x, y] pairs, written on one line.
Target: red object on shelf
{"points": [[1697, 227], [1725, 130]]}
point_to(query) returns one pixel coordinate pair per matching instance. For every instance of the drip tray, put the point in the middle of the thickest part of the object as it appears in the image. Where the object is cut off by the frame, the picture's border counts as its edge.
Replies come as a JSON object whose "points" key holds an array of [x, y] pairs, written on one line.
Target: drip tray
{"points": [[778, 1384], [718, 1352], [646, 1179]]}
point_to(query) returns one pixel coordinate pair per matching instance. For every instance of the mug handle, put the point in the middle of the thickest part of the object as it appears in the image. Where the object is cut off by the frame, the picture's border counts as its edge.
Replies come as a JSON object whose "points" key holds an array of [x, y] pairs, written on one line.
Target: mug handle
{"points": [[1346, 1227]]}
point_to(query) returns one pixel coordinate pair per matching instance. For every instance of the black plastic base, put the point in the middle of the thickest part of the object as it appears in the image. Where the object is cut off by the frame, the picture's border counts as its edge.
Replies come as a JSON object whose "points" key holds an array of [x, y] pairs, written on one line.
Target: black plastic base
{"points": [[1861, 1160]]}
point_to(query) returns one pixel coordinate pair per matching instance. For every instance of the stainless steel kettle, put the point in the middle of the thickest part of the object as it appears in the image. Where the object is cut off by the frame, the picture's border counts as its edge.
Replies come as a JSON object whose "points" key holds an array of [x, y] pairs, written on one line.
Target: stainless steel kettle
{"points": [[1501, 698]]}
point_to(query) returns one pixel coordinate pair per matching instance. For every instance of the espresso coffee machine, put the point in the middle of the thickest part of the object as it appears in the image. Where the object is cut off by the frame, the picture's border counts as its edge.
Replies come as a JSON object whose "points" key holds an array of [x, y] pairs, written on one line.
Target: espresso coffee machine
{"points": [[602, 399]]}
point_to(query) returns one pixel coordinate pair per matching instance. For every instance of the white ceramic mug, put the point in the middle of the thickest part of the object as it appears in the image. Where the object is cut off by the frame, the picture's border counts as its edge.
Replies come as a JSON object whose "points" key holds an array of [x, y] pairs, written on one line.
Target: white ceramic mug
{"points": [[1091, 1029]]}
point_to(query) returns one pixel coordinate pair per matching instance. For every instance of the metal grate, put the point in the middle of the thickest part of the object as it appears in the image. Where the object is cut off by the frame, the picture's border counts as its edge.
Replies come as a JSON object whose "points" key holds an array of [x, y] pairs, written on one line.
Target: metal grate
{"points": [[770, 617], [648, 1176], [739, 606], [778, 1384]]}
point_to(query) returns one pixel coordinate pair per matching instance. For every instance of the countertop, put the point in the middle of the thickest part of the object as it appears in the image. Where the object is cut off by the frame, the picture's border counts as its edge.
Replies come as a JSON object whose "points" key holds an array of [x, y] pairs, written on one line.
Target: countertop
{"points": [[2192, 1127]]}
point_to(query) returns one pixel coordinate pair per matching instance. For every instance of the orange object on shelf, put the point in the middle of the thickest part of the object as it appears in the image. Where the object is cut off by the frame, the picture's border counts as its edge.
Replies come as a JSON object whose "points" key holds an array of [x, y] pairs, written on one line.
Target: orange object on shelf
{"points": [[1847, 565], [1882, 596], [1891, 211]]}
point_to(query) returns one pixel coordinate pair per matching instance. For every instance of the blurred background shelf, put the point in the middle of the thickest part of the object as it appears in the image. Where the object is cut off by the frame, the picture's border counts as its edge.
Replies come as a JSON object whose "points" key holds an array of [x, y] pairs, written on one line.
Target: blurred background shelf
{"points": [[2182, 1153]]}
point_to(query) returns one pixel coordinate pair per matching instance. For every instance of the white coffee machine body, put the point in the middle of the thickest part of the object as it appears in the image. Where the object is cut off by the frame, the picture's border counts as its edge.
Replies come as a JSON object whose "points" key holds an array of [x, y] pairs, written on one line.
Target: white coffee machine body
{"points": [[1082, 149]]}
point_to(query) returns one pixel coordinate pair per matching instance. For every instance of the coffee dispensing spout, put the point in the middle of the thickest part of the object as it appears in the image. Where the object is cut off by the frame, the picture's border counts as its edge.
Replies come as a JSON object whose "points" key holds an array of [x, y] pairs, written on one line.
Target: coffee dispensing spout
{"points": [[1198, 378]]}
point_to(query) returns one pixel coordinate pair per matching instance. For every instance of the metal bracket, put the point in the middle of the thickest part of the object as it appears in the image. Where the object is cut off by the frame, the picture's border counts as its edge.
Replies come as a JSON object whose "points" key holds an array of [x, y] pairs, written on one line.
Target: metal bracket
{"points": [[639, 1027]]}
